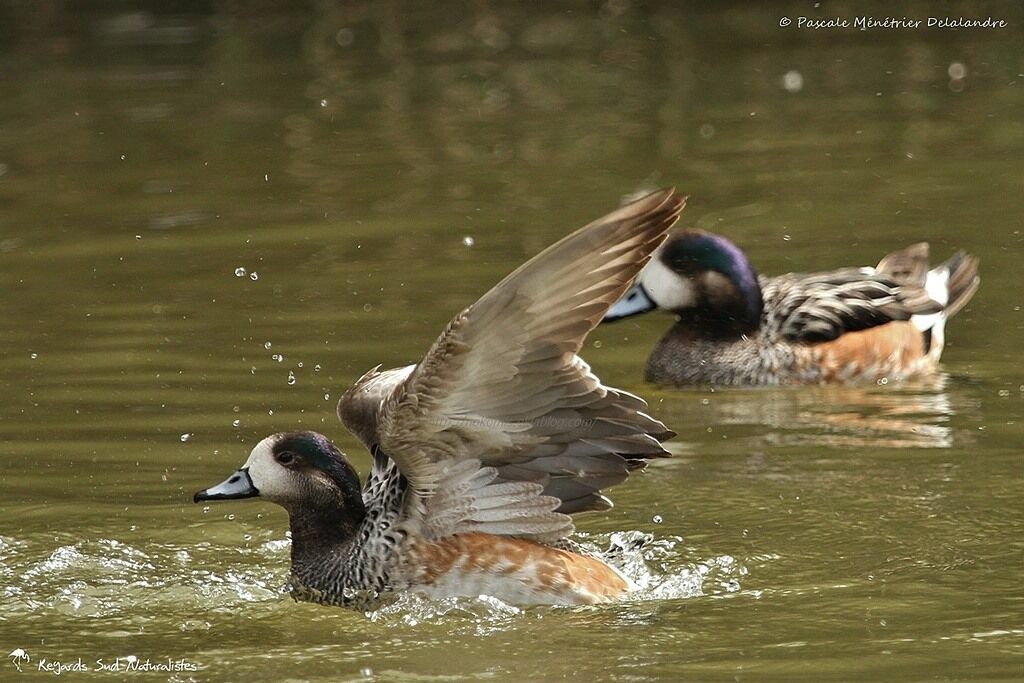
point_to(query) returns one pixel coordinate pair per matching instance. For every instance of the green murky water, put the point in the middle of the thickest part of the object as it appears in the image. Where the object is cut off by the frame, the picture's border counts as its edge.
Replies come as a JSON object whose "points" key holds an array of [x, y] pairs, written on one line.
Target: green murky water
{"points": [[342, 156]]}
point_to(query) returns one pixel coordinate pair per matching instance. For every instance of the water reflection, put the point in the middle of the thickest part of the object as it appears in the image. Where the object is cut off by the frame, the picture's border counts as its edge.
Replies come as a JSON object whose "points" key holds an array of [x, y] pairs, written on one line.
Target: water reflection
{"points": [[908, 415], [341, 109]]}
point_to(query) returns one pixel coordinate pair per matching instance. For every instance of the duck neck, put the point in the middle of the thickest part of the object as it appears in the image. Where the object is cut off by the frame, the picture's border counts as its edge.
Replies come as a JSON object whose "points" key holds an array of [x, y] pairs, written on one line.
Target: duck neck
{"points": [[717, 324], [321, 533]]}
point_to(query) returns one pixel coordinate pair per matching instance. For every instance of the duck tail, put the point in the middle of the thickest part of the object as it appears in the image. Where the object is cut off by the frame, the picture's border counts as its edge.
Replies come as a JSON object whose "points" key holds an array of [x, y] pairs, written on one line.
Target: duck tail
{"points": [[951, 284], [962, 270]]}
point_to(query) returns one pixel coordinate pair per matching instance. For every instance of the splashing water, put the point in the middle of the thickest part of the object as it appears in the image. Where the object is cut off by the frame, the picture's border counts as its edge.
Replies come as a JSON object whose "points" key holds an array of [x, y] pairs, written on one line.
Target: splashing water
{"points": [[243, 567]]}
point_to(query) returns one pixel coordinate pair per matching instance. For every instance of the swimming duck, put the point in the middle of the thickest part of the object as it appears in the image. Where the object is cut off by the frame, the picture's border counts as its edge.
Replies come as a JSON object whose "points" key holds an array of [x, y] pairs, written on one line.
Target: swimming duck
{"points": [[854, 325], [483, 450]]}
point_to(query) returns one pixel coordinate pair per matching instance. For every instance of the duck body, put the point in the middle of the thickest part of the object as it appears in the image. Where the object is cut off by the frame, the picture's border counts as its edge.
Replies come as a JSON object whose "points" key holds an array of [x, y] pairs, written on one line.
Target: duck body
{"points": [[854, 325], [893, 351], [483, 451], [387, 554]]}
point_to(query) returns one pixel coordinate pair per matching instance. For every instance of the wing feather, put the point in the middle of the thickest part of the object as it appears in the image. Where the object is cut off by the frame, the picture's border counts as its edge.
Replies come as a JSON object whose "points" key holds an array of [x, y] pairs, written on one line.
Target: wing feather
{"points": [[502, 386], [820, 307]]}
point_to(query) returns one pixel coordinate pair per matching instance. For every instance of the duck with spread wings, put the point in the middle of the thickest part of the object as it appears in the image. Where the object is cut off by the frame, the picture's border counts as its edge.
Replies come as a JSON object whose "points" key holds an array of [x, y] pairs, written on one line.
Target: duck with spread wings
{"points": [[484, 449]]}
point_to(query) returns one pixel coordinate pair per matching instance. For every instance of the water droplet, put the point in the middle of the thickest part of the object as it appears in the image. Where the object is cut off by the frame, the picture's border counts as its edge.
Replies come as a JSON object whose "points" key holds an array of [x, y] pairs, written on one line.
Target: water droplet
{"points": [[1004, 392], [267, 345], [468, 241], [291, 377], [254, 276], [957, 71], [316, 368], [185, 437], [786, 238], [657, 519], [122, 157], [239, 271], [270, 412], [883, 381], [138, 237], [707, 131], [206, 509], [367, 307], [278, 357], [597, 344], [344, 37], [705, 401], [327, 397], [300, 363], [33, 356], [231, 516], [323, 103], [793, 81], [236, 423], [247, 537]]}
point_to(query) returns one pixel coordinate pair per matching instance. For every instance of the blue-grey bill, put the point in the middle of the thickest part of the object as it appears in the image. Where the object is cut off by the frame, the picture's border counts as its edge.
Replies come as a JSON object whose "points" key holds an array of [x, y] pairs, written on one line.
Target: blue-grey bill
{"points": [[635, 302], [238, 485]]}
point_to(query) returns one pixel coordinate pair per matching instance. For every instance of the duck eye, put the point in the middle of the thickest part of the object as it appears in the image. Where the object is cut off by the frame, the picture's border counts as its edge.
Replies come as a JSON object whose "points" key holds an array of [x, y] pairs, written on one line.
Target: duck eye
{"points": [[286, 458]]}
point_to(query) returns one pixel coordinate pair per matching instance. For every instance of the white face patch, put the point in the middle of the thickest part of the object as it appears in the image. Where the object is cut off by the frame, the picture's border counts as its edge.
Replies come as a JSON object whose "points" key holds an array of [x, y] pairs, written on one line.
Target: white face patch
{"points": [[273, 481], [667, 288]]}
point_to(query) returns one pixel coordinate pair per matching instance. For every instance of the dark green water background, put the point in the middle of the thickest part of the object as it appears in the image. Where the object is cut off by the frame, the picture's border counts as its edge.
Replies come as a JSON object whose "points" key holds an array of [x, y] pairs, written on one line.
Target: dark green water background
{"points": [[378, 166]]}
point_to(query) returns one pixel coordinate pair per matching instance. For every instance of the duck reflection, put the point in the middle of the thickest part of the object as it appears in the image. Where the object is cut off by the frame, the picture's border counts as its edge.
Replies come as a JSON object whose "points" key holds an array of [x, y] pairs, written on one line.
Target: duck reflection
{"points": [[912, 415]]}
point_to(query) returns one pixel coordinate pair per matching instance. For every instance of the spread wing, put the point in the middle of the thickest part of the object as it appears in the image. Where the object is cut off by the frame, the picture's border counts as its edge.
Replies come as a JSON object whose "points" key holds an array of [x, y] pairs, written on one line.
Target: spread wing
{"points": [[503, 387], [821, 307]]}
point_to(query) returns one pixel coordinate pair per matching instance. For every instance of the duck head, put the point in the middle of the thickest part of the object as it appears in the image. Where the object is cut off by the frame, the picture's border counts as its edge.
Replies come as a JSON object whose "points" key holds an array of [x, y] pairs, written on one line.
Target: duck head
{"points": [[701, 277], [302, 472]]}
